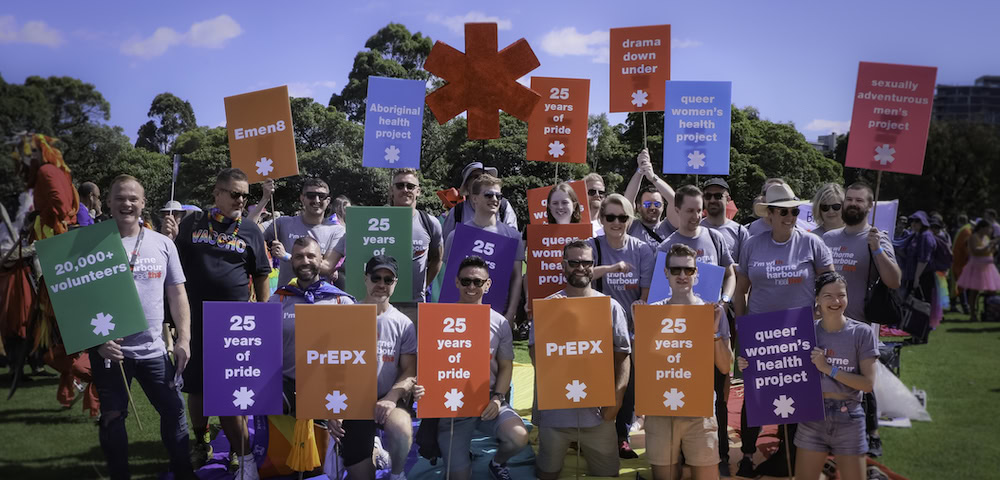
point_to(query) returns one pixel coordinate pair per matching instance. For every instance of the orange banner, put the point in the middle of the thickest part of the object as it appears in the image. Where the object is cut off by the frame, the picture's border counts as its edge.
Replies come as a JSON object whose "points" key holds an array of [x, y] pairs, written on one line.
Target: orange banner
{"points": [[538, 200], [674, 360], [336, 369], [544, 255], [557, 129], [640, 67], [261, 142], [453, 363]]}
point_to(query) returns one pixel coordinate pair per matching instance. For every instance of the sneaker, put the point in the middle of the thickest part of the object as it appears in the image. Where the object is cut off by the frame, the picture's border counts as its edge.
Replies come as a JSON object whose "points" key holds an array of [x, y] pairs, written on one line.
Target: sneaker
{"points": [[874, 446], [625, 451], [724, 469], [202, 451], [830, 468], [499, 472], [381, 457], [234, 462], [745, 468], [247, 470], [875, 473]]}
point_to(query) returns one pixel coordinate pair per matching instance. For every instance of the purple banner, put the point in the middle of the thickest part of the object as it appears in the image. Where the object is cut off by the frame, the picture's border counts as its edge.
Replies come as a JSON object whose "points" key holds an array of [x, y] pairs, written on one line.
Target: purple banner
{"points": [[242, 358], [497, 250], [781, 384]]}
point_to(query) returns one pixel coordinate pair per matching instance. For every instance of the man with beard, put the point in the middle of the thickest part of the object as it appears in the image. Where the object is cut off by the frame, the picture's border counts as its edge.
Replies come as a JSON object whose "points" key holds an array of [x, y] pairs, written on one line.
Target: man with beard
{"points": [[654, 203], [716, 198]]}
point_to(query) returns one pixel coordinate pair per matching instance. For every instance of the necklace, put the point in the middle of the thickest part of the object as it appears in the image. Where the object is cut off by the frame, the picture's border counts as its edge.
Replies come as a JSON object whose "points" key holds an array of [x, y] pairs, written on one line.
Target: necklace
{"points": [[217, 215]]}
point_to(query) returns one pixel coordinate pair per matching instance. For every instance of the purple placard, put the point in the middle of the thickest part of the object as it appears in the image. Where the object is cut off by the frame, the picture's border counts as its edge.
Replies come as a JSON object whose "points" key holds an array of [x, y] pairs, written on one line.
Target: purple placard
{"points": [[497, 250], [242, 358], [781, 384]]}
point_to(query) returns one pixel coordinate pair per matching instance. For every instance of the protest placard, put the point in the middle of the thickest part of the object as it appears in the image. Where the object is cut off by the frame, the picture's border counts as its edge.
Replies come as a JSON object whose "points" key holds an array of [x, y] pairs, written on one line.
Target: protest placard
{"points": [[380, 231], [544, 256], [708, 285], [640, 64], [538, 201], [496, 250], [781, 384], [242, 352], [89, 279], [696, 128], [453, 363], [885, 217], [674, 360], [557, 129], [574, 353], [394, 119], [261, 140], [336, 367]]}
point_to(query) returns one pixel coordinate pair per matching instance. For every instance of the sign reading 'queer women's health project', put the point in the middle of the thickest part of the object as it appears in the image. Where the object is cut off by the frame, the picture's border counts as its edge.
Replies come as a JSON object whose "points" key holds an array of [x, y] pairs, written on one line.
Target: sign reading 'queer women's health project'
{"points": [[394, 119], [261, 141], [242, 352], [892, 113], [497, 251], [640, 63], [454, 360], [91, 287], [336, 362], [674, 353], [380, 231], [781, 383], [708, 286], [696, 128], [545, 253], [538, 201], [557, 129]]}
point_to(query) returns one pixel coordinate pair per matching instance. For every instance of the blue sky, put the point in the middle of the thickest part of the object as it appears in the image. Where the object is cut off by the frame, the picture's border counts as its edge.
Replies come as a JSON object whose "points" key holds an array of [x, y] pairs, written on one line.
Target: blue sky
{"points": [[793, 60]]}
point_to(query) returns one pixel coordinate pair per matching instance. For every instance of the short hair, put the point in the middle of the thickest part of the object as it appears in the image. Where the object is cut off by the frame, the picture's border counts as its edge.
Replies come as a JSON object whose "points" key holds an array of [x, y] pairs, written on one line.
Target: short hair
{"points": [[863, 186], [230, 174], [405, 171], [621, 201], [963, 218], [684, 192], [829, 191], [576, 244], [827, 278], [484, 180], [474, 261], [86, 188], [124, 178], [984, 223], [991, 212], [314, 182], [771, 181], [593, 177], [568, 190], [305, 241], [680, 250]]}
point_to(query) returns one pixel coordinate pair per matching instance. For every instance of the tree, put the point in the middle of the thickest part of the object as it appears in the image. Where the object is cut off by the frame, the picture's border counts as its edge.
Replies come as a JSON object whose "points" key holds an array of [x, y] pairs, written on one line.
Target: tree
{"points": [[73, 102], [169, 117]]}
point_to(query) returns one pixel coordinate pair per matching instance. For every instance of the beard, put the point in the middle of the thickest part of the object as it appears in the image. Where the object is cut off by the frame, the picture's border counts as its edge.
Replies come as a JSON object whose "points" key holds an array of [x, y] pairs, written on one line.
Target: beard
{"points": [[715, 209], [853, 215], [306, 273], [578, 281]]}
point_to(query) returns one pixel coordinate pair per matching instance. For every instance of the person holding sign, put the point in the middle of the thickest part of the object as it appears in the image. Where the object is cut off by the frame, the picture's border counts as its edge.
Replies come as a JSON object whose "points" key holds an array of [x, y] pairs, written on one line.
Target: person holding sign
{"points": [[698, 437], [653, 203], [157, 272], [464, 211]]}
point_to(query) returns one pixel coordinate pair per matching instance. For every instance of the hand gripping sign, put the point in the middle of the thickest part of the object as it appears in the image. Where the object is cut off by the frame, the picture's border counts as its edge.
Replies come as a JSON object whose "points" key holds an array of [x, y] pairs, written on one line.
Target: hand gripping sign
{"points": [[242, 352], [394, 119], [640, 64], [538, 202], [544, 255], [380, 231], [261, 142], [674, 360], [336, 371], [696, 128], [574, 353], [496, 250], [557, 129], [453, 363]]}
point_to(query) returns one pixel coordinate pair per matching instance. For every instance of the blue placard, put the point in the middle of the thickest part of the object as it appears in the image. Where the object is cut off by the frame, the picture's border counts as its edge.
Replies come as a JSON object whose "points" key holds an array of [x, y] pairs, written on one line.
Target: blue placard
{"points": [[708, 288], [394, 120], [696, 127]]}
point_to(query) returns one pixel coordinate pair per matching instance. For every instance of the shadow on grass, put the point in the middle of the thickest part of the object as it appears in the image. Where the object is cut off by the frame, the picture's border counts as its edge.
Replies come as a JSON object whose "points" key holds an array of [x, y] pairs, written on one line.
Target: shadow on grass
{"points": [[974, 330], [147, 459]]}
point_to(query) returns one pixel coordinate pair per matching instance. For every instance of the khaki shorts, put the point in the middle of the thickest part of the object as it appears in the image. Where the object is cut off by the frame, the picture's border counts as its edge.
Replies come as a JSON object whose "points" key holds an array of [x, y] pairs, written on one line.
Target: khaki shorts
{"points": [[598, 446], [696, 436]]}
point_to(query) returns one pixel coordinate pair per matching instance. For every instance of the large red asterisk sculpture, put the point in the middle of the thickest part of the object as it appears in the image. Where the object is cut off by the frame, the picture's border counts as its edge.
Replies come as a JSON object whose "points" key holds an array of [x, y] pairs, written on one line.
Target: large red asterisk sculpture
{"points": [[482, 80]]}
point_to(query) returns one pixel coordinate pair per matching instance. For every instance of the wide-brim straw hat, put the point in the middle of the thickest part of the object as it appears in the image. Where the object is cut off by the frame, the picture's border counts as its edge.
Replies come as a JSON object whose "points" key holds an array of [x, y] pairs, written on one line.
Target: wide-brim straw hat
{"points": [[778, 195]]}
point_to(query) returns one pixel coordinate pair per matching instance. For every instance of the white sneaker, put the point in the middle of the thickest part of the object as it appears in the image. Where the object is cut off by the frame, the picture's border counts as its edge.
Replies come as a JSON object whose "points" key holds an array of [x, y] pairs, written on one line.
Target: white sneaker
{"points": [[381, 457], [247, 469]]}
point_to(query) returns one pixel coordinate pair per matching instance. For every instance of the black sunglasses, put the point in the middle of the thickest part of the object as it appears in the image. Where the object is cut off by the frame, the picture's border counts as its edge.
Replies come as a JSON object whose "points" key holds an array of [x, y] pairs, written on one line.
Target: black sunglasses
{"points": [[612, 218], [492, 195], [834, 206], [478, 282], [580, 263], [784, 211], [236, 195], [388, 279], [714, 196], [689, 271], [317, 195], [406, 186], [593, 192]]}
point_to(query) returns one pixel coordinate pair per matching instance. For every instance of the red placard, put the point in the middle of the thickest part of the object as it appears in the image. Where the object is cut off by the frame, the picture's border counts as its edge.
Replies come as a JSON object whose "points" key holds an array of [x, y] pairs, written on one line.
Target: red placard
{"points": [[557, 128], [453, 359], [538, 198], [544, 255], [892, 113], [640, 66]]}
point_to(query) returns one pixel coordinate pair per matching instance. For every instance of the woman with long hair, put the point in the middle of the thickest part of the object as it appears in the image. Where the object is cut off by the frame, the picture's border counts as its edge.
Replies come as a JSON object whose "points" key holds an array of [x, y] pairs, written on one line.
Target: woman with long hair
{"points": [[562, 205], [826, 207], [980, 274]]}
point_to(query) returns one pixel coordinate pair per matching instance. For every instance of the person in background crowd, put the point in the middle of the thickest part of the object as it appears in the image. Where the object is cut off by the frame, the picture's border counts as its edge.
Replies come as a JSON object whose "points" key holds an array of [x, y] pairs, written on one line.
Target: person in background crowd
{"points": [[90, 204], [654, 202], [917, 249], [959, 258], [717, 197], [990, 215], [980, 274], [456, 215], [562, 205], [595, 195], [762, 224], [902, 228], [339, 206], [826, 208]]}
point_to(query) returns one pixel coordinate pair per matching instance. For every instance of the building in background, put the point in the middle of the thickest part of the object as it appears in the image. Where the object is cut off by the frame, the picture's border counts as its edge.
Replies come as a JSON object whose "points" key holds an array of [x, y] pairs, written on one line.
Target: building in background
{"points": [[825, 143], [979, 103]]}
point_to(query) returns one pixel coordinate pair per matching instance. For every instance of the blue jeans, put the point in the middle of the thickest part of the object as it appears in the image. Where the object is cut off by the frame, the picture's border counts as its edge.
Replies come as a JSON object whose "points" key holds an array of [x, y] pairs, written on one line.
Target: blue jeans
{"points": [[155, 376]]}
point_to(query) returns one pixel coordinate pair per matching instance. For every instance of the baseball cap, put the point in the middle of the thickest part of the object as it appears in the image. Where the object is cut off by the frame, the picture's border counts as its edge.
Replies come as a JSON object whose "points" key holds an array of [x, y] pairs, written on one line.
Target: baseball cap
{"points": [[472, 167], [381, 261], [717, 181]]}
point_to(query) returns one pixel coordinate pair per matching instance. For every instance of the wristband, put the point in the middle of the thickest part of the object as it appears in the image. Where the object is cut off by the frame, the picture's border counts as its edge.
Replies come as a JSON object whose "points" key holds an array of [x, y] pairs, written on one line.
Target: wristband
{"points": [[726, 298], [878, 252], [286, 257], [833, 372]]}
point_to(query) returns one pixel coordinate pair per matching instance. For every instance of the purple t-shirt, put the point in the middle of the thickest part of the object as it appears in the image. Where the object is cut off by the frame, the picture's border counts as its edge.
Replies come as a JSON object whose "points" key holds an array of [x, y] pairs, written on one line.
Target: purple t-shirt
{"points": [[851, 259], [501, 344], [396, 336], [734, 233], [624, 287], [782, 275], [846, 349], [640, 231], [708, 243]]}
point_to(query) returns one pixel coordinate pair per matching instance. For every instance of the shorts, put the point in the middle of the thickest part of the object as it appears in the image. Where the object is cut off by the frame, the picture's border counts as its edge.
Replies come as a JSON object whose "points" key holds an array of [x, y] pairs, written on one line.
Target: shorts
{"points": [[697, 437], [598, 445], [463, 430], [359, 438], [841, 433]]}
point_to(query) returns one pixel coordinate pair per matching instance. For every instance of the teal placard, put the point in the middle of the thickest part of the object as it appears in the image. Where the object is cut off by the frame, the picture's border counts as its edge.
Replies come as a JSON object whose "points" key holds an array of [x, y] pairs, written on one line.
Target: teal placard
{"points": [[380, 230], [89, 281]]}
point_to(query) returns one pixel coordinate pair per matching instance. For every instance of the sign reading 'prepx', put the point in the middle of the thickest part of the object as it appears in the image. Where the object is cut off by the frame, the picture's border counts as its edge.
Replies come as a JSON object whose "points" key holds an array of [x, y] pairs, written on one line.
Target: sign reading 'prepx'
{"points": [[454, 359], [261, 141]]}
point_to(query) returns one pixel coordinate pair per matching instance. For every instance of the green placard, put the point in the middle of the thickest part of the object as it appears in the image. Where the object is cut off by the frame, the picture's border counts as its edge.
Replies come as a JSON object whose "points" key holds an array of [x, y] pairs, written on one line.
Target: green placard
{"points": [[91, 286], [380, 230]]}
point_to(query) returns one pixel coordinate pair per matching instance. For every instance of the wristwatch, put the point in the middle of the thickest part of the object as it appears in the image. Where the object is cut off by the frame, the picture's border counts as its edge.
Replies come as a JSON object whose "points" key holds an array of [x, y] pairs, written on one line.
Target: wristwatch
{"points": [[501, 396], [726, 298]]}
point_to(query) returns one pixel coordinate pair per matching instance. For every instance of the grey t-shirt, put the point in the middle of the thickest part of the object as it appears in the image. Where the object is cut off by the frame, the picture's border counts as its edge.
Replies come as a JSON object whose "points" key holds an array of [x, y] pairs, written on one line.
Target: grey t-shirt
{"points": [[501, 344], [625, 288], [709, 244], [640, 231], [851, 259], [468, 212], [327, 234], [818, 231], [782, 275], [734, 233], [396, 336], [757, 227], [846, 349], [497, 228], [288, 303], [156, 266], [723, 324]]}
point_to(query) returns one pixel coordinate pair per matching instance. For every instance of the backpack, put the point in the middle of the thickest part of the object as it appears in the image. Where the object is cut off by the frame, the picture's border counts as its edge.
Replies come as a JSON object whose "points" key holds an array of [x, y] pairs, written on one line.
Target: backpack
{"points": [[940, 257]]}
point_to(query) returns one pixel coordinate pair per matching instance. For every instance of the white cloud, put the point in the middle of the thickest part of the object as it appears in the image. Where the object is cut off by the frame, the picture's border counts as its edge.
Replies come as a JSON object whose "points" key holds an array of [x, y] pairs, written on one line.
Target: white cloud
{"points": [[309, 89], [686, 43], [212, 33], [33, 32], [568, 41], [457, 23], [821, 125]]}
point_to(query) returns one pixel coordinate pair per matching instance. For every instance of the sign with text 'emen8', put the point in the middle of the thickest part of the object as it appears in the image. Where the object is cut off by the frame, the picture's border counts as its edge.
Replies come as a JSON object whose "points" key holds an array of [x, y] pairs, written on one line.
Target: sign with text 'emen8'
{"points": [[93, 294], [242, 352], [261, 142], [336, 369], [574, 353], [640, 63], [538, 201], [696, 128], [557, 129], [453, 363], [544, 255], [380, 231], [394, 120], [781, 383], [674, 360], [892, 113], [498, 252], [707, 287]]}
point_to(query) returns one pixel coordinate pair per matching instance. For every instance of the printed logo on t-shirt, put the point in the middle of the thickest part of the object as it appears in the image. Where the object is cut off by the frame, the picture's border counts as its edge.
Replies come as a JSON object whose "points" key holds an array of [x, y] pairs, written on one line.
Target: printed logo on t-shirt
{"points": [[622, 281], [387, 350], [844, 260], [224, 241], [781, 273], [146, 268], [419, 249], [704, 258]]}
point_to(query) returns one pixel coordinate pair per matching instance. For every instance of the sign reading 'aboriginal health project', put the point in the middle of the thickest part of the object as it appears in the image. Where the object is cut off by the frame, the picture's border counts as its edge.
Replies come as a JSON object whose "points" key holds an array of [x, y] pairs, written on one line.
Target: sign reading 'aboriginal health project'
{"points": [[640, 64], [261, 142], [394, 119]]}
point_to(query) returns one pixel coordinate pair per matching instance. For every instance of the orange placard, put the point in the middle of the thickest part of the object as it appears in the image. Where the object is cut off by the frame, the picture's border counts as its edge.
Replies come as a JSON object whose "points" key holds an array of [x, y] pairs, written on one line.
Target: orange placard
{"points": [[336, 369], [574, 353], [557, 129], [674, 360], [640, 66], [544, 255], [261, 142], [538, 198], [453, 359]]}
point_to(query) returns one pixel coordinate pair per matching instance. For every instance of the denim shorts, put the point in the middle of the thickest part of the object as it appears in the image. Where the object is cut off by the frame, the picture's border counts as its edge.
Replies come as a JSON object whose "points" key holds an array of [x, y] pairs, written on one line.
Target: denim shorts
{"points": [[842, 432]]}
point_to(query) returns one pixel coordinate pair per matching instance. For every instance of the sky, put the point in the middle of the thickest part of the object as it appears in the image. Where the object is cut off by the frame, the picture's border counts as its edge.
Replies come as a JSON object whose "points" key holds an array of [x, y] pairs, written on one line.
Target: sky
{"points": [[795, 61]]}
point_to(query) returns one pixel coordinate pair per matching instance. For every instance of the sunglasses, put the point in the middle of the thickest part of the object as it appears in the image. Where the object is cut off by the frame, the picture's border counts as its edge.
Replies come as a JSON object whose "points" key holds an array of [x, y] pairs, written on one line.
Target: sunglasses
{"points": [[478, 282], [834, 206], [689, 271], [236, 195], [406, 186], [317, 196], [714, 196], [784, 211], [580, 263], [593, 192], [612, 218], [387, 279], [492, 195], [650, 203]]}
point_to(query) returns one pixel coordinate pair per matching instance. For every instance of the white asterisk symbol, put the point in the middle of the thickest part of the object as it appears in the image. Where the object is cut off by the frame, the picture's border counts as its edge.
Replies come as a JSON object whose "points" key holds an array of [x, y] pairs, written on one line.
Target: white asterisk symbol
{"points": [[556, 149], [453, 400], [884, 153], [674, 399], [243, 398], [783, 406], [639, 98], [576, 391], [102, 324], [696, 159], [391, 154], [336, 402], [264, 166]]}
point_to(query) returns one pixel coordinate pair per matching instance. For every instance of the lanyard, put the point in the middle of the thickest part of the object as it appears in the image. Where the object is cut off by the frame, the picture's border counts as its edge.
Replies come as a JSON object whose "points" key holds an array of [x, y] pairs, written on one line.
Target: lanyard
{"points": [[135, 251]]}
